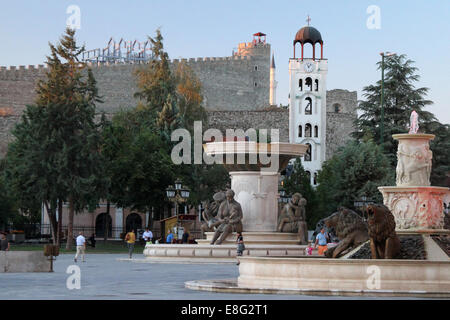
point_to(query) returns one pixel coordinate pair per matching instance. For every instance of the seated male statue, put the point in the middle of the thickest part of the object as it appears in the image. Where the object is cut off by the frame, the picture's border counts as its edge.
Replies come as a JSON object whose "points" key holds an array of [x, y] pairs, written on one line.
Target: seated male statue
{"points": [[228, 218]]}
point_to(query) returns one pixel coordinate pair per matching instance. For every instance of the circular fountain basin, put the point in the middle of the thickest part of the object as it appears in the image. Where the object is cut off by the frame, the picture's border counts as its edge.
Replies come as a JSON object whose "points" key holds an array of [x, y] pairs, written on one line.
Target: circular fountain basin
{"points": [[252, 156], [335, 277]]}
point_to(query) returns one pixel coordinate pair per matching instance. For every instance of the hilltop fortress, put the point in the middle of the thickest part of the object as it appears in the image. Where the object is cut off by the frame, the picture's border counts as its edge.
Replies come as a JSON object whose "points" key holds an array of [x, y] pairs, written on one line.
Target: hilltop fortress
{"points": [[236, 93]]}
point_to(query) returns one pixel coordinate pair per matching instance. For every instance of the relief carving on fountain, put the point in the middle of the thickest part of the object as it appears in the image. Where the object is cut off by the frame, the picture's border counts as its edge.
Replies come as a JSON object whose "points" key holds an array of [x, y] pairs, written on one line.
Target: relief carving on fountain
{"points": [[413, 164], [415, 209]]}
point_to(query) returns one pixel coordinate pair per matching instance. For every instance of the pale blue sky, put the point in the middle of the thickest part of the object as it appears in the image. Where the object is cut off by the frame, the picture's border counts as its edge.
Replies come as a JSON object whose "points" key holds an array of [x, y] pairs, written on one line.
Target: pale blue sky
{"points": [[201, 28]]}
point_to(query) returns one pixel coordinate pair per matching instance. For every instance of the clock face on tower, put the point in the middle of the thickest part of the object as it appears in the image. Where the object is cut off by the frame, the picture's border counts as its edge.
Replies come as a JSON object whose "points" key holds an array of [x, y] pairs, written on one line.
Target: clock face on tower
{"points": [[309, 66]]}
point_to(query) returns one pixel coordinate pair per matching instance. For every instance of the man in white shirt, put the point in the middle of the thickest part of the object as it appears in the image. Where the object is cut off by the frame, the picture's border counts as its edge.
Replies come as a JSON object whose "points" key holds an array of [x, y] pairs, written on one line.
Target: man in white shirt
{"points": [[148, 235], [81, 246]]}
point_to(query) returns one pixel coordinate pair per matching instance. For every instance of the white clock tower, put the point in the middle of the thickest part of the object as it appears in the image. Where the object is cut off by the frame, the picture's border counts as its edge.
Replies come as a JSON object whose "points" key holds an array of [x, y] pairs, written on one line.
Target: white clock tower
{"points": [[307, 101]]}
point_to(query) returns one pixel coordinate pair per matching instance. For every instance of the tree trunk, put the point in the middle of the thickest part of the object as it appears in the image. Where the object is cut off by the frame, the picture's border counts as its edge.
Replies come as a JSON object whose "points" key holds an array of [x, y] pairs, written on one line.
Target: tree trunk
{"points": [[70, 224], [59, 233], [105, 222], [52, 218]]}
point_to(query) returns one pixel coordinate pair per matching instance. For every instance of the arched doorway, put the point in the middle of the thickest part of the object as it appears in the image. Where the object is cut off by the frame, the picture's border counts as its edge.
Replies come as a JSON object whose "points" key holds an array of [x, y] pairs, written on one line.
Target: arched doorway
{"points": [[100, 225], [134, 221]]}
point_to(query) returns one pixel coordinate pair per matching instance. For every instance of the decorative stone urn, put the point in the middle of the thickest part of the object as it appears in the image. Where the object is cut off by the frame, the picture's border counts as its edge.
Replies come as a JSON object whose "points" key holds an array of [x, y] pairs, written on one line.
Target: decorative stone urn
{"points": [[414, 203]]}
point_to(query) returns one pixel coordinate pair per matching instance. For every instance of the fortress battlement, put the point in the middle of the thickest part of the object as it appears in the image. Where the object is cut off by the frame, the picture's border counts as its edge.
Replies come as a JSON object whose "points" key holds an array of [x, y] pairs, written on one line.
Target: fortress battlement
{"points": [[211, 59]]}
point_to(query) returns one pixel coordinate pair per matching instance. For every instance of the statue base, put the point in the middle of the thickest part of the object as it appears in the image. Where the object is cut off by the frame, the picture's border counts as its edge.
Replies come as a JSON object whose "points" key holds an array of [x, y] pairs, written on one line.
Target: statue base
{"points": [[416, 208]]}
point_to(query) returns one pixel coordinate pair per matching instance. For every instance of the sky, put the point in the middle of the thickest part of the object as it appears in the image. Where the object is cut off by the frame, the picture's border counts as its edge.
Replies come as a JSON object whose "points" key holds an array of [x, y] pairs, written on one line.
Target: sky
{"points": [[352, 32]]}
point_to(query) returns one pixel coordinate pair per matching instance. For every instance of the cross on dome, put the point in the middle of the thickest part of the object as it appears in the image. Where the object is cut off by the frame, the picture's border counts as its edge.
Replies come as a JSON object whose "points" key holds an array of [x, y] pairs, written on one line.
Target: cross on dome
{"points": [[308, 20]]}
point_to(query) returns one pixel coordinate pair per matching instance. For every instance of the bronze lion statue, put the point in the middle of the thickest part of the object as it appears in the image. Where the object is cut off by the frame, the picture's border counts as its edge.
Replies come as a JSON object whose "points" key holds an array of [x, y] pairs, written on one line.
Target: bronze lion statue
{"points": [[384, 242], [350, 229]]}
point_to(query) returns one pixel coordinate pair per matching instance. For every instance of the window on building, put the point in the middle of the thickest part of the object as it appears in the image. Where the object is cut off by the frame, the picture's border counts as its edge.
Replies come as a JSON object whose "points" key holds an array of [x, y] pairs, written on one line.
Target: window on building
{"points": [[300, 131], [308, 152], [317, 84], [316, 131], [308, 83], [256, 84], [337, 108], [256, 68], [308, 108], [315, 178], [308, 130], [300, 84]]}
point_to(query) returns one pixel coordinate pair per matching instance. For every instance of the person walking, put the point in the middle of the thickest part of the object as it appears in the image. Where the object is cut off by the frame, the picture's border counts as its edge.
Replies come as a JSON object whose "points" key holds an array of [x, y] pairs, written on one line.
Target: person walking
{"points": [[81, 247], [4, 243], [321, 239], [240, 245], [130, 238]]}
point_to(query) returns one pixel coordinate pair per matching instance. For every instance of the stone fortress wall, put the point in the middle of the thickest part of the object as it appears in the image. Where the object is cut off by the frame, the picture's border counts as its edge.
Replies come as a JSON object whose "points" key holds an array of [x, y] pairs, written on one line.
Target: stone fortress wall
{"points": [[235, 88], [339, 121]]}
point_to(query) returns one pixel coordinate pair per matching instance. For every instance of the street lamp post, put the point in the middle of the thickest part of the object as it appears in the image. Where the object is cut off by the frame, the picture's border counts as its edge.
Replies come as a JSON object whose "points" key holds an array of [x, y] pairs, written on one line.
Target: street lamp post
{"points": [[177, 194], [383, 54]]}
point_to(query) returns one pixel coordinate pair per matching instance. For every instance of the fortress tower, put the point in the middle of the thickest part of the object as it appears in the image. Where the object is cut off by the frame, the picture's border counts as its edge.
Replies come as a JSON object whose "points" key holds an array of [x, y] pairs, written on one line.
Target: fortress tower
{"points": [[307, 101]]}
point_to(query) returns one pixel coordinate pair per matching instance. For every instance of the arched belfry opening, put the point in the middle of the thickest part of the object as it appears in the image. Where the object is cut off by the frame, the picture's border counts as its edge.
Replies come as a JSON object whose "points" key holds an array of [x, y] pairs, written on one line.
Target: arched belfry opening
{"points": [[309, 35]]}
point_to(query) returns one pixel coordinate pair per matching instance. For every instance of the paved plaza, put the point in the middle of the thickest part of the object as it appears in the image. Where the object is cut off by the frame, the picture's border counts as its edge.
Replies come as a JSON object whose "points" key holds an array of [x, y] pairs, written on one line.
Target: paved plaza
{"points": [[104, 276]]}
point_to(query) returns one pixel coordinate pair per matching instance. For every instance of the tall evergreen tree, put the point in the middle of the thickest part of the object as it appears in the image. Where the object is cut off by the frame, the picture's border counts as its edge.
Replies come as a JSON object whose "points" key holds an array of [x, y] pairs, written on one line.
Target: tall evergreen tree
{"points": [[55, 157], [401, 97], [155, 81]]}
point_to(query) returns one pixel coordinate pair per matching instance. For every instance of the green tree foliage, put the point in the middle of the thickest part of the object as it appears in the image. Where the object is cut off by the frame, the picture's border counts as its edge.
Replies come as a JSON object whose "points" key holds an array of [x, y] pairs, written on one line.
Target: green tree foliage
{"points": [[354, 171], [440, 146], [55, 156], [299, 181], [155, 81], [8, 204], [190, 98], [139, 165], [173, 99], [401, 97]]}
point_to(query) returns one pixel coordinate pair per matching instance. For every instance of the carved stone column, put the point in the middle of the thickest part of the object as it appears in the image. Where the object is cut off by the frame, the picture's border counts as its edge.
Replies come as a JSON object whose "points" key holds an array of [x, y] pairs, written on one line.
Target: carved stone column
{"points": [[414, 203]]}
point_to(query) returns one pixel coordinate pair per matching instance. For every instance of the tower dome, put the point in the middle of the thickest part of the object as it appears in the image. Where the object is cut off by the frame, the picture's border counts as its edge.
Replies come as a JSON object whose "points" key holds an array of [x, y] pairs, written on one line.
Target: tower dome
{"points": [[308, 34]]}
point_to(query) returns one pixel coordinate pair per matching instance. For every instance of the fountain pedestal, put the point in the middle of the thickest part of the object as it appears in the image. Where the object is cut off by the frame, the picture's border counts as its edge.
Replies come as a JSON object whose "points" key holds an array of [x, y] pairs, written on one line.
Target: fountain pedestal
{"points": [[414, 203], [257, 192]]}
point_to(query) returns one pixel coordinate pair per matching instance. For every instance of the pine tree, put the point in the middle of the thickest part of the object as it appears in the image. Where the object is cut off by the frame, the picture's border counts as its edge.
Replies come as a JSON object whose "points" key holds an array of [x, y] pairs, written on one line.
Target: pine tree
{"points": [[155, 81], [57, 146], [401, 97]]}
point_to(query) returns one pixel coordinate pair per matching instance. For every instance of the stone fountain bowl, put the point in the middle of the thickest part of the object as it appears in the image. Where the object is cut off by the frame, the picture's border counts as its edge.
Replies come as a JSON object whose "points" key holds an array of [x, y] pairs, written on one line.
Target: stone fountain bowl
{"points": [[253, 156]]}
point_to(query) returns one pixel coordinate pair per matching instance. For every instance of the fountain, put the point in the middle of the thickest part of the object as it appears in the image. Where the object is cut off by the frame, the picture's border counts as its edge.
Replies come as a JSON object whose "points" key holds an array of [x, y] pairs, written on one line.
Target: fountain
{"points": [[417, 209], [255, 170]]}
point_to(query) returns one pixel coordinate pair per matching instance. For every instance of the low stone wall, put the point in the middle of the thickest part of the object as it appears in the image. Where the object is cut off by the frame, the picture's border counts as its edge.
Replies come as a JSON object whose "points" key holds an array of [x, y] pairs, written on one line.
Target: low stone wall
{"points": [[341, 277], [23, 261], [211, 252]]}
